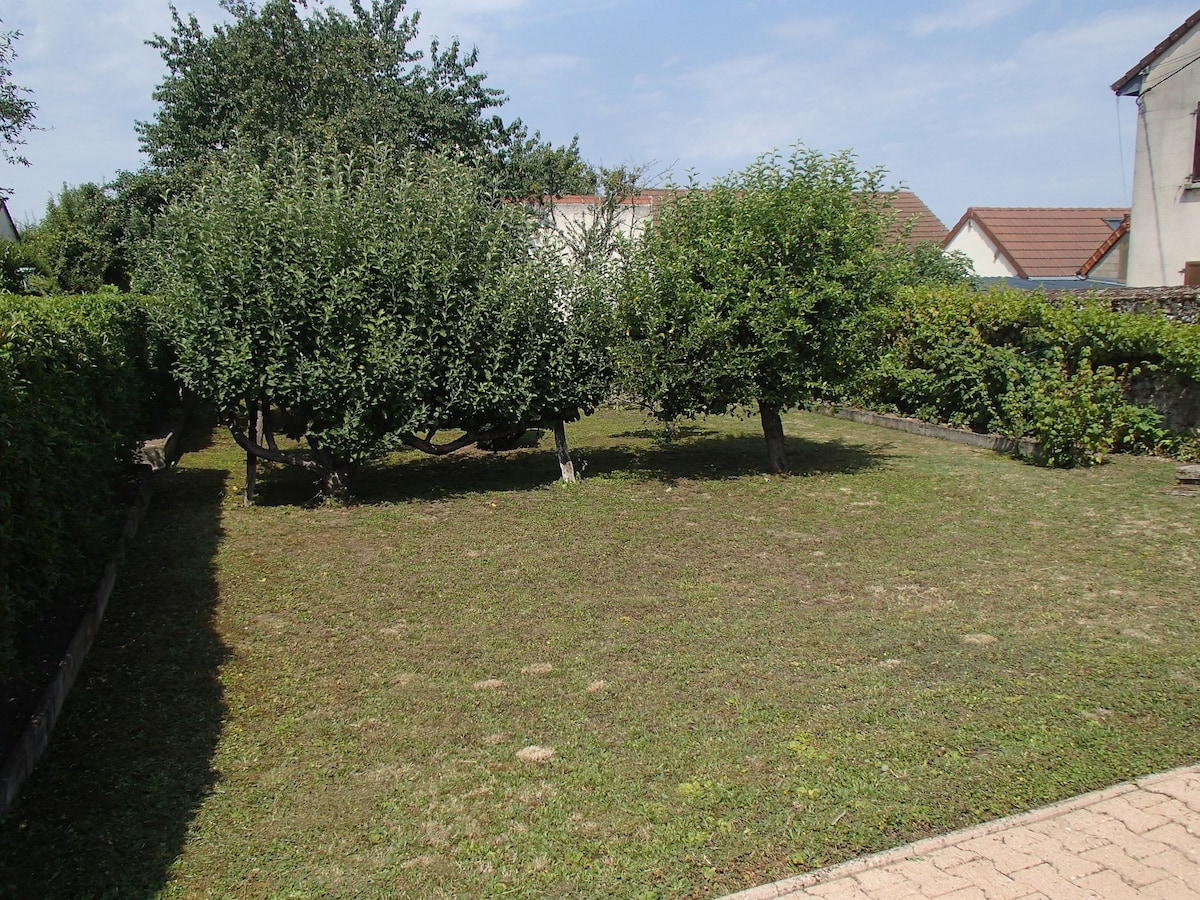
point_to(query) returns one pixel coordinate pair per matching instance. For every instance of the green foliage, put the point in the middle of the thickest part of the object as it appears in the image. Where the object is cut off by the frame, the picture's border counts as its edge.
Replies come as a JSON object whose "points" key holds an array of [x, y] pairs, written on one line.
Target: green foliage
{"points": [[739, 292], [1140, 429], [528, 168], [17, 111], [748, 291], [1013, 362], [1069, 410], [370, 298], [79, 241], [334, 79], [91, 234], [78, 379], [18, 261]]}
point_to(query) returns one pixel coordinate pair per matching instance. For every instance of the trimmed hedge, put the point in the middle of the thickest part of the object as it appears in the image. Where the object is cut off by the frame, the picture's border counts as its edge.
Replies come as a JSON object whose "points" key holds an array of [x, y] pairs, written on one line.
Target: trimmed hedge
{"points": [[1018, 364], [79, 378]]}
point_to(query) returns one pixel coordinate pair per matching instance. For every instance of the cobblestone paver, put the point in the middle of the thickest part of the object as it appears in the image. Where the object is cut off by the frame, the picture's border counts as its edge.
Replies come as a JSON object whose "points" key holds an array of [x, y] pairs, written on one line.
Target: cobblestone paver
{"points": [[1136, 840]]}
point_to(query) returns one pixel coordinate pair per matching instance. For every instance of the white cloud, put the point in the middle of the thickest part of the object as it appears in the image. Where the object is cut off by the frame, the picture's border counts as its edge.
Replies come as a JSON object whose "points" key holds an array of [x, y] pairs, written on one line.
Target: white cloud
{"points": [[966, 15]]}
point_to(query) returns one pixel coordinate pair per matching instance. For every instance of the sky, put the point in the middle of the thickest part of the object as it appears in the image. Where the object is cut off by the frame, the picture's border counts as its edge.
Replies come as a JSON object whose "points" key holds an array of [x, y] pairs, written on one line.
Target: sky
{"points": [[965, 102]]}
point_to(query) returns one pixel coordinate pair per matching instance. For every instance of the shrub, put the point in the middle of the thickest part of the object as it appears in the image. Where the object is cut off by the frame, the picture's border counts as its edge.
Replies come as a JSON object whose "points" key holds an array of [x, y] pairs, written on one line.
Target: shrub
{"points": [[1015, 363], [78, 379], [18, 261], [1069, 412]]}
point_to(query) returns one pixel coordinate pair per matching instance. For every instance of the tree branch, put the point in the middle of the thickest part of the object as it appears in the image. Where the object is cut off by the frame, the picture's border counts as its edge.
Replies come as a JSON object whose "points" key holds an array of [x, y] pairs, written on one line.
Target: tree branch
{"points": [[273, 454], [471, 437]]}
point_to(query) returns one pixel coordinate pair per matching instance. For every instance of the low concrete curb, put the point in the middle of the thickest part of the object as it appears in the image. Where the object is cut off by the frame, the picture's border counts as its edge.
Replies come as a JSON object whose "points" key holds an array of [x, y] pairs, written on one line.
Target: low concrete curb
{"points": [[1026, 447]]}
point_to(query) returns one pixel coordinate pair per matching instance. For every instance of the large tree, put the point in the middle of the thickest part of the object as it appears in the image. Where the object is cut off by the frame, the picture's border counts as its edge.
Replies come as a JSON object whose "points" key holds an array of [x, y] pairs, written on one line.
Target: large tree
{"points": [[331, 79], [362, 301], [17, 110], [745, 293]]}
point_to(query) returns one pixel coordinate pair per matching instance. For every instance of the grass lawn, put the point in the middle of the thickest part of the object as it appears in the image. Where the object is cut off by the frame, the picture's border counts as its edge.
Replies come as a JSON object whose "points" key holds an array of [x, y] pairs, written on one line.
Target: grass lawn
{"points": [[677, 678]]}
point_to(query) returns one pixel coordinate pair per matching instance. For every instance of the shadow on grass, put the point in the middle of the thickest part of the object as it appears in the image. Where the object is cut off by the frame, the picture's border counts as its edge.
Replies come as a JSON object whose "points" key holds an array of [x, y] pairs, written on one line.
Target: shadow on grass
{"points": [[108, 808], [713, 456], [696, 454]]}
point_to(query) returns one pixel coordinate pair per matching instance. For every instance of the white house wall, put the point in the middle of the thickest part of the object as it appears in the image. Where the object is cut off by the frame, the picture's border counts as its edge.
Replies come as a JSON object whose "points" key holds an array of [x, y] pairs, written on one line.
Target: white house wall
{"points": [[1165, 221], [568, 216], [989, 262]]}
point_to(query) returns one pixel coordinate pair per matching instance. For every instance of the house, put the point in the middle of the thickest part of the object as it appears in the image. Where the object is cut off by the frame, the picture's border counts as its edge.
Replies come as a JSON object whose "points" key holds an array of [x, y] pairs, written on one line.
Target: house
{"points": [[1164, 240], [579, 218], [8, 228], [1109, 262], [1039, 246], [576, 215]]}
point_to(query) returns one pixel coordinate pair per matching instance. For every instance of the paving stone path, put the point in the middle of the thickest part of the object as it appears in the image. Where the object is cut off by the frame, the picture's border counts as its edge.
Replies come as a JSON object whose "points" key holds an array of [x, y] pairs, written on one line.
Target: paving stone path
{"points": [[1135, 840]]}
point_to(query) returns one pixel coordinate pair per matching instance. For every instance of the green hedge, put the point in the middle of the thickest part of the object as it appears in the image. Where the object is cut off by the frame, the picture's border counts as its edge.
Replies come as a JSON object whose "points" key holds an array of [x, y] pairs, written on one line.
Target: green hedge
{"points": [[1016, 363], [79, 378]]}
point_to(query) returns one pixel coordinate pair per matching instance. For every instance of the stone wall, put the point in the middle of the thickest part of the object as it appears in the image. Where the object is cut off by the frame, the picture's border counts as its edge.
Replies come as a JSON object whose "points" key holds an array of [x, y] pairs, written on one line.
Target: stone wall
{"points": [[1179, 303]]}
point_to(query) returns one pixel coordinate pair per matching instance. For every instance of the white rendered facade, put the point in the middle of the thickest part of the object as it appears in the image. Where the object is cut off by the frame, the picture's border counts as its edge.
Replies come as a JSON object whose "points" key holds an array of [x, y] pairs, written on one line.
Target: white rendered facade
{"points": [[985, 256], [1165, 220]]}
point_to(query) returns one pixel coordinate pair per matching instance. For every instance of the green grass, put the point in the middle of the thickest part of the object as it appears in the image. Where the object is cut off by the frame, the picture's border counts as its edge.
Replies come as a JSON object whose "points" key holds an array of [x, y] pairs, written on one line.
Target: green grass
{"points": [[740, 676]]}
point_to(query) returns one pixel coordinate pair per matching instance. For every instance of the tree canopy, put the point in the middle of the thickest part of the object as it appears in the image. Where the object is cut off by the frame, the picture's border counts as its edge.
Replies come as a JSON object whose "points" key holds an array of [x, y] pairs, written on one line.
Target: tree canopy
{"points": [[17, 110], [746, 292], [367, 300], [331, 79]]}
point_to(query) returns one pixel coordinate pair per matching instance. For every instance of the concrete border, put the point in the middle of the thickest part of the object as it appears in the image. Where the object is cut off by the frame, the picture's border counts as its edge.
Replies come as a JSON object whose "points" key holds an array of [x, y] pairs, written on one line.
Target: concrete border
{"points": [[1024, 447]]}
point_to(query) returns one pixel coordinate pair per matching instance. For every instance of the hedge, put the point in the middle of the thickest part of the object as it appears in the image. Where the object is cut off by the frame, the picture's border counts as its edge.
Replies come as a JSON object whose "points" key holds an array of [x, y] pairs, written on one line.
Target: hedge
{"points": [[1016, 363], [80, 377]]}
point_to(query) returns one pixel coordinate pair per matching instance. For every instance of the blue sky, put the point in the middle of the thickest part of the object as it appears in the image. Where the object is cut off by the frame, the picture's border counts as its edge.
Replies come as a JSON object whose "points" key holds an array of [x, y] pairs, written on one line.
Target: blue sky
{"points": [[966, 102]]}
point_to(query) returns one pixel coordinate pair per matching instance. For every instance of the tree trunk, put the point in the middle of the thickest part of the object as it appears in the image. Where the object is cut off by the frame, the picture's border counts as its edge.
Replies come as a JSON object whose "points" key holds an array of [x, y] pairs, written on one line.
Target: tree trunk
{"points": [[334, 479], [772, 426], [256, 436], [564, 455]]}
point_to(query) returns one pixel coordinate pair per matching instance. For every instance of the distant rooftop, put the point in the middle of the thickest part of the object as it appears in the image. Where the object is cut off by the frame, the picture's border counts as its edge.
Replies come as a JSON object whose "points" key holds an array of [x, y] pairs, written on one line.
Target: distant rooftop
{"points": [[1042, 242], [927, 228]]}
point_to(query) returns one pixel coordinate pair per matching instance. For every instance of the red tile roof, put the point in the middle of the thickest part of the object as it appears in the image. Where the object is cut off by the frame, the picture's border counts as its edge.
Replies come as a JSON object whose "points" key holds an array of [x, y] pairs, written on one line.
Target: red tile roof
{"points": [[1109, 242], [1121, 85], [927, 228], [1043, 242]]}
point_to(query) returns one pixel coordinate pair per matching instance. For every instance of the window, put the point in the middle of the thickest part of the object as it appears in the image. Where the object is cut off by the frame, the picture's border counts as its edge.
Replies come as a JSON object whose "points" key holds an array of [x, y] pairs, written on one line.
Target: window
{"points": [[1191, 274]]}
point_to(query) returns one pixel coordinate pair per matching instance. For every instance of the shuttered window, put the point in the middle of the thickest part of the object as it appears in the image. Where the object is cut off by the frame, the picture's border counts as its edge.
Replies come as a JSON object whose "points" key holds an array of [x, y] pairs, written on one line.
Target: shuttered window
{"points": [[1195, 176], [1191, 274]]}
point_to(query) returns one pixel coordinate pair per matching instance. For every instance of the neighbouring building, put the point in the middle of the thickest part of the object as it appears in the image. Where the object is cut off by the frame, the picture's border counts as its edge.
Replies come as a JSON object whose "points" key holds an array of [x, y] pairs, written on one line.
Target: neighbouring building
{"points": [[1043, 246], [1164, 245], [576, 217], [8, 228], [581, 219]]}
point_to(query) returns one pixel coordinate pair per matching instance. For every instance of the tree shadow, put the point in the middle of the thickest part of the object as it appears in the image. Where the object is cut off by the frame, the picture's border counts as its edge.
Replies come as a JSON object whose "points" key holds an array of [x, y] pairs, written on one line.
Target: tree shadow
{"points": [[723, 457], [659, 434], [695, 454], [107, 810]]}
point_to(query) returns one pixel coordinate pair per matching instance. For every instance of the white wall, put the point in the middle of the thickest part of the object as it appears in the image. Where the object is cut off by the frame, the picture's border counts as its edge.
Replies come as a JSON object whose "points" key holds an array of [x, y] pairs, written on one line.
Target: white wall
{"points": [[1165, 221], [989, 262], [573, 213]]}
